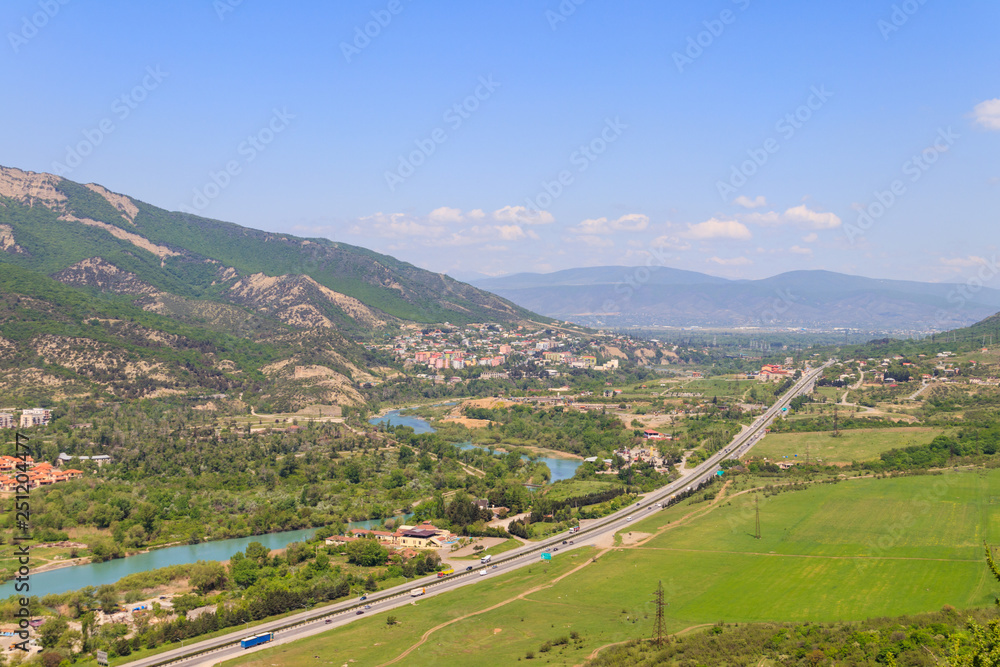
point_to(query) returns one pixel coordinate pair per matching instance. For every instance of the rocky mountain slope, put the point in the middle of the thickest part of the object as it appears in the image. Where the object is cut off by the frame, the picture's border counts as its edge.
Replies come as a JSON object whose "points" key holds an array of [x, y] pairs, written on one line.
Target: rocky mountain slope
{"points": [[104, 294]]}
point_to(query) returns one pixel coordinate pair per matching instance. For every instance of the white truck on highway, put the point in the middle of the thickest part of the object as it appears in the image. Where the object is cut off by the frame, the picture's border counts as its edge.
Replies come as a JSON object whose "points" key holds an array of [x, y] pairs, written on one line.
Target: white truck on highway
{"points": [[486, 559], [417, 592]]}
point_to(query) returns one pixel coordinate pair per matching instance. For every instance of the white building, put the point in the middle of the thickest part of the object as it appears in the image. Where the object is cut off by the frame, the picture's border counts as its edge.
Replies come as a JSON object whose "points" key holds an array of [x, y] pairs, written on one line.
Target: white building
{"points": [[35, 417]]}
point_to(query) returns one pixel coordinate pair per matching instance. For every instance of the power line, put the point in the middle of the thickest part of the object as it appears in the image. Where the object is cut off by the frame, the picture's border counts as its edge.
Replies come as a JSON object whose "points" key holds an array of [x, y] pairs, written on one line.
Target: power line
{"points": [[756, 506], [659, 613]]}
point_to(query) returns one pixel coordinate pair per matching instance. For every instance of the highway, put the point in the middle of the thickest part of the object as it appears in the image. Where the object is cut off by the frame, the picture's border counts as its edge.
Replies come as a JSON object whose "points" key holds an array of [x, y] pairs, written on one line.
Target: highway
{"points": [[314, 621]]}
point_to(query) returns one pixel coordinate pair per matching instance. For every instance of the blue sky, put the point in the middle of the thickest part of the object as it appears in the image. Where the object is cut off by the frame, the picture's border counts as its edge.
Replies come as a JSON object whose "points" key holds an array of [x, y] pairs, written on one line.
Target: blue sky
{"points": [[734, 137]]}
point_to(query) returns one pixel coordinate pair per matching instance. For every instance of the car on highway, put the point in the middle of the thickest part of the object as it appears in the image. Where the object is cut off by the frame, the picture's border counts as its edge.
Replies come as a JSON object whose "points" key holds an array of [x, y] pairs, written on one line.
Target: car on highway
{"points": [[482, 572], [359, 612], [628, 518], [564, 541], [368, 606], [468, 569], [328, 621], [571, 541]]}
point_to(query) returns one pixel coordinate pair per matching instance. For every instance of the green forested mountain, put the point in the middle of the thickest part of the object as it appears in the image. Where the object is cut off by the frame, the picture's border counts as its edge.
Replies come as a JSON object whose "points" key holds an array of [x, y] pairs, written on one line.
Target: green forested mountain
{"points": [[100, 293]]}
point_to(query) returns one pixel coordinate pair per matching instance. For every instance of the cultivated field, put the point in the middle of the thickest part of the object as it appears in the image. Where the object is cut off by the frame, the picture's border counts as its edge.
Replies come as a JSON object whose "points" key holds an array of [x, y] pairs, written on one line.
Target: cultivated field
{"points": [[857, 549], [851, 445]]}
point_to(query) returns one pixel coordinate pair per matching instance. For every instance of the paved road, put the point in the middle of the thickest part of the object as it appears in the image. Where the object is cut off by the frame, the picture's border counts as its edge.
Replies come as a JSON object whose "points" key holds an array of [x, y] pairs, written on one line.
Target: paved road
{"points": [[304, 624]]}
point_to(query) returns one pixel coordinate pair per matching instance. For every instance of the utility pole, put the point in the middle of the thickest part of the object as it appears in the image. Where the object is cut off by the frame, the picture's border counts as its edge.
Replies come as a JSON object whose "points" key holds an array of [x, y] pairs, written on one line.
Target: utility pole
{"points": [[756, 506], [836, 426], [659, 613]]}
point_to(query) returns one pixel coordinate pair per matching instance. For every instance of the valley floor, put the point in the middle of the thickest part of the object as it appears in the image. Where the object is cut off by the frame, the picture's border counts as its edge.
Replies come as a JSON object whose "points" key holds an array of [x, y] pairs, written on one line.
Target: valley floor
{"points": [[853, 550]]}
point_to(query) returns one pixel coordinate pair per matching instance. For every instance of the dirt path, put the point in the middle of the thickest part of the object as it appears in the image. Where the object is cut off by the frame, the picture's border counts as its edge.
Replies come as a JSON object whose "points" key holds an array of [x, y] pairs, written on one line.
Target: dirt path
{"points": [[521, 596], [925, 387], [475, 472], [593, 654]]}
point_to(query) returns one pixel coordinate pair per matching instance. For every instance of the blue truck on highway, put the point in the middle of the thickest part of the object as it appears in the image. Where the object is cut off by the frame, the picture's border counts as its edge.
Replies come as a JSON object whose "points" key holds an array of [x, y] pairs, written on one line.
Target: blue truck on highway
{"points": [[256, 640]]}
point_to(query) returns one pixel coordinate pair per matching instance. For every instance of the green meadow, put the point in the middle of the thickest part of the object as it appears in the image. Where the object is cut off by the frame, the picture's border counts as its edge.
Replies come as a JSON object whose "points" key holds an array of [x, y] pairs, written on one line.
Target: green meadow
{"points": [[833, 552], [851, 445]]}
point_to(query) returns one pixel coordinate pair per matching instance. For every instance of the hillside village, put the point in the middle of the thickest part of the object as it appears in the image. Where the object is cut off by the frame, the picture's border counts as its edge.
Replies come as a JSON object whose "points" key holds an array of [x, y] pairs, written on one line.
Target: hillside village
{"points": [[491, 346]]}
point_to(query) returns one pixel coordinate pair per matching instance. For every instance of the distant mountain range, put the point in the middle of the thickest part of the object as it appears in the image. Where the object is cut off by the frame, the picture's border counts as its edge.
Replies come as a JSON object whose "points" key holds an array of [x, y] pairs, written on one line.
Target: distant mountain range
{"points": [[621, 296], [100, 292]]}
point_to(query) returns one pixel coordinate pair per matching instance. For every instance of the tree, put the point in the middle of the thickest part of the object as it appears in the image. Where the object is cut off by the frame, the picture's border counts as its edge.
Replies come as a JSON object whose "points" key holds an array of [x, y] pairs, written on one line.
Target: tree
{"points": [[207, 576], [367, 553], [107, 598], [51, 659], [257, 552], [396, 479], [243, 571], [122, 647], [51, 630], [983, 647], [185, 603], [518, 529], [405, 455]]}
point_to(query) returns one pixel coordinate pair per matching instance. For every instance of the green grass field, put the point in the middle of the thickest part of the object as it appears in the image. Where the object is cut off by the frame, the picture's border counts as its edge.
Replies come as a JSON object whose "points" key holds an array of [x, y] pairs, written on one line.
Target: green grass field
{"points": [[506, 545], [851, 445], [853, 550], [573, 488], [370, 641]]}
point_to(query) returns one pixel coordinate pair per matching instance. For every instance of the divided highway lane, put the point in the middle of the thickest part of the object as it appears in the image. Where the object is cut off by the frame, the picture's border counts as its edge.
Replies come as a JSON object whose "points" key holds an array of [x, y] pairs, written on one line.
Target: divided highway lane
{"points": [[311, 622]]}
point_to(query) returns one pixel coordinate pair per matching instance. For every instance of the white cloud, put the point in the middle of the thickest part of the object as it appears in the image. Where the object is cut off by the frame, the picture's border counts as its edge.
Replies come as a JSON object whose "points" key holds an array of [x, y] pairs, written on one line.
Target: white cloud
{"points": [[632, 222], [670, 242], [800, 215], [769, 218], [592, 226], [445, 226], [963, 262], [596, 241], [811, 219], [799, 250], [718, 229], [511, 232], [397, 225], [810, 238], [746, 202], [732, 261], [446, 214], [522, 215], [987, 114]]}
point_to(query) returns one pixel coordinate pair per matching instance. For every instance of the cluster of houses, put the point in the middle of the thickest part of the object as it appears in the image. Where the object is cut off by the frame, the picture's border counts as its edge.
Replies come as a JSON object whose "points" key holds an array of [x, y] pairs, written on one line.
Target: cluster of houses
{"points": [[490, 346], [456, 359], [773, 372], [630, 456], [421, 536], [29, 417], [38, 474]]}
